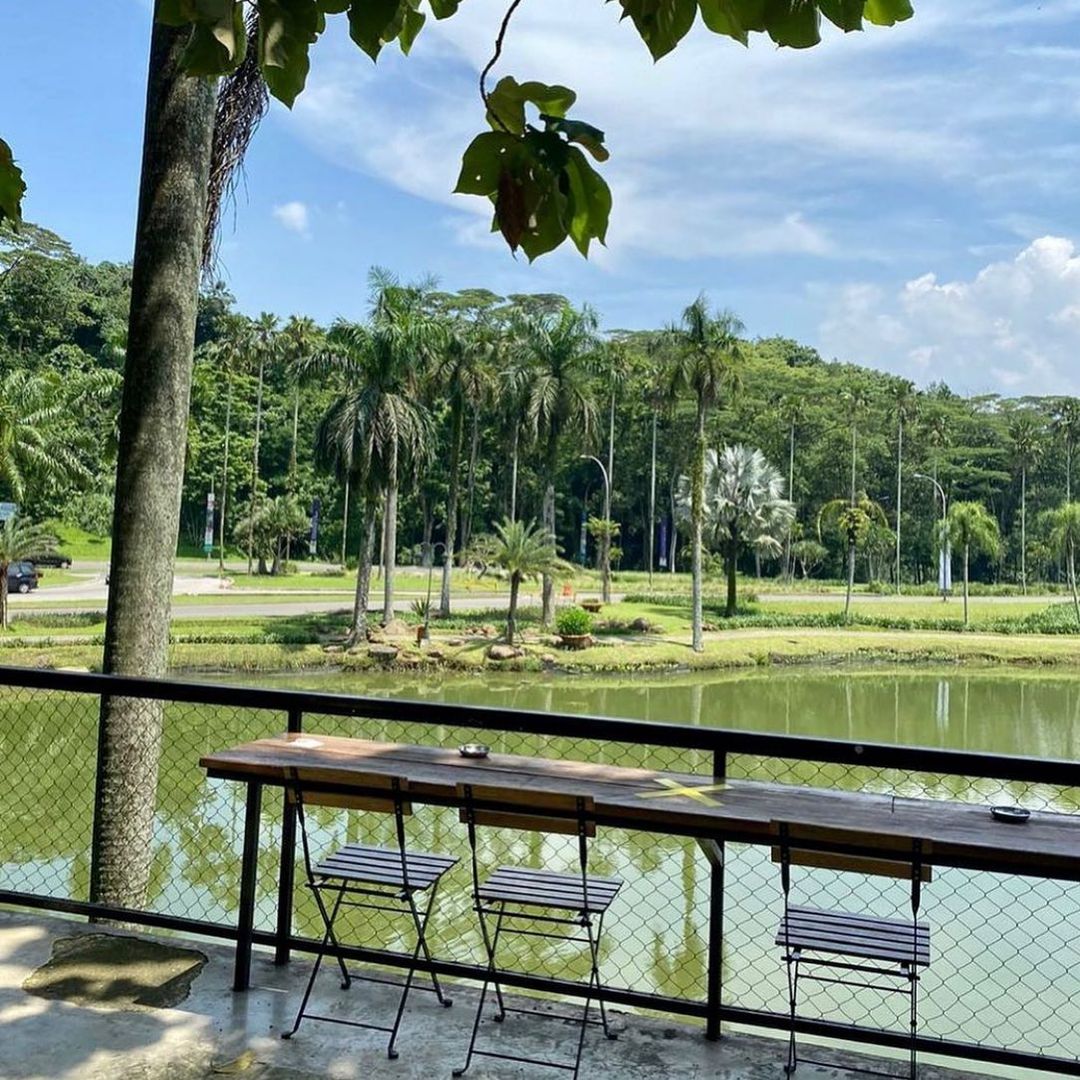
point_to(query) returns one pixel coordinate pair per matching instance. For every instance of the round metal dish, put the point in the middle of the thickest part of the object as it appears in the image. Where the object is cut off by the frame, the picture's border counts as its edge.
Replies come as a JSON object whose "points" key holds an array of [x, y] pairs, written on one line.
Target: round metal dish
{"points": [[1014, 815], [474, 750]]}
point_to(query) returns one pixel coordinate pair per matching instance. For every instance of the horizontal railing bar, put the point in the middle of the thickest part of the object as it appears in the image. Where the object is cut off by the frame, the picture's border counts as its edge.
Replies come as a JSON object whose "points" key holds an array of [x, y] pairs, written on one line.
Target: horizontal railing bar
{"points": [[650, 733], [543, 984]]}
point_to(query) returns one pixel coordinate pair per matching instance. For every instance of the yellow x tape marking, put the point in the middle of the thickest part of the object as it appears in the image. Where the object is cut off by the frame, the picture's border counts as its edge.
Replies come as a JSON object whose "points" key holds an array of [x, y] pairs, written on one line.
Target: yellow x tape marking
{"points": [[673, 788]]}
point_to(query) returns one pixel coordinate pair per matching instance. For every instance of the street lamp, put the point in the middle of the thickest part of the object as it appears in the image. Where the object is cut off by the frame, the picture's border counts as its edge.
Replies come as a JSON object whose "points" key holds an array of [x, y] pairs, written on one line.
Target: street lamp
{"points": [[606, 566], [943, 567], [430, 571]]}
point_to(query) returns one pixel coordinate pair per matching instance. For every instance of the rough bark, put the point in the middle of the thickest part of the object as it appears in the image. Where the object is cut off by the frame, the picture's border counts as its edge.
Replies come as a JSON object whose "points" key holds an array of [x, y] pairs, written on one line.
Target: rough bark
{"points": [[390, 536], [150, 462], [365, 555], [697, 517], [732, 559], [456, 439], [511, 611]]}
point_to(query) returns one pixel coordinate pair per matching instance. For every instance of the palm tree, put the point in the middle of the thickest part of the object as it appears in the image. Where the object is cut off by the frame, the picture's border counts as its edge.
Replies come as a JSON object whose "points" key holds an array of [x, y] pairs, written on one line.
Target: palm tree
{"points": [[614, 364], [973, 529], [1065, 538], [524, 551], [19, 539], [1026, 436], [559, 347], [851, 519], [263, 342], [792, 410], [905, 402], [273, 523], [856, 399], [704, 363], [1066, 423], [374, 426], [744, 504]]}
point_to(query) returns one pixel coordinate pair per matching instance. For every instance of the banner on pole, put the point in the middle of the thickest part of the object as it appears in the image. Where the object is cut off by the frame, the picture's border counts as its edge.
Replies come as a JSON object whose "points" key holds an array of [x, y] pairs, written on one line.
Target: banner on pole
{"points": [[663, 543], [208, 532]]}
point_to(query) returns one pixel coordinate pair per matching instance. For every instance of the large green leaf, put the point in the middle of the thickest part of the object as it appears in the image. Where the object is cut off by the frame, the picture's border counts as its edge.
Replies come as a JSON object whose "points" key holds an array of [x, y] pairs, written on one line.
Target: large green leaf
{"points": [[888, 12], [287, 30], [443, 9], [484, 161], [371, 23], [577, 131], [847, 14], [662, 24], [218, 44], [506, 103], [12, 186]]}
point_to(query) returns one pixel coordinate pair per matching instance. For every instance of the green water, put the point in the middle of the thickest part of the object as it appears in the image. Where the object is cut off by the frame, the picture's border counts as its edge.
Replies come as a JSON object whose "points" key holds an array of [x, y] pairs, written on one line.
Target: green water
{"points": [[1005, 949]]}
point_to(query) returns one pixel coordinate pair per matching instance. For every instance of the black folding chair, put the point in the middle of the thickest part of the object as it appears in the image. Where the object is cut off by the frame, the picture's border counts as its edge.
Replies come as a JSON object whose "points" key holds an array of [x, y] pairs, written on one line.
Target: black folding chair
{"points": [[515, 895], [850, 949], [362, 876]]}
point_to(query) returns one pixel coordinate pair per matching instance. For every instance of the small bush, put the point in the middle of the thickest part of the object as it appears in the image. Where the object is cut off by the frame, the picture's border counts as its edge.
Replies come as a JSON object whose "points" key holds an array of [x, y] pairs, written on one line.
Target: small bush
{"points": [[573, 622]]}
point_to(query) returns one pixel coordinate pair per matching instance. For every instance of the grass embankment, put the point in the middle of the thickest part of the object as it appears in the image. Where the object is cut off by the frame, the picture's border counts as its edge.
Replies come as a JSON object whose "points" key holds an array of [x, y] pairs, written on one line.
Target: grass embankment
{"points": [[763, 634]]}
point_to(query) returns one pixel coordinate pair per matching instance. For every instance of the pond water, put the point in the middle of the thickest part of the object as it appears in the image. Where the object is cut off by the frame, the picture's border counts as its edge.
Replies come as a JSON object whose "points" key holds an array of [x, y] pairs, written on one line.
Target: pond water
{"points": [[1005, 948]]}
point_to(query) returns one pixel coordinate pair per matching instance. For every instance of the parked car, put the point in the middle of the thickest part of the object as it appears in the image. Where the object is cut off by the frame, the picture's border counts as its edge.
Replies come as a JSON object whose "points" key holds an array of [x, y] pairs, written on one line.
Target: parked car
{"points": [[22, 577], [51, 558]]}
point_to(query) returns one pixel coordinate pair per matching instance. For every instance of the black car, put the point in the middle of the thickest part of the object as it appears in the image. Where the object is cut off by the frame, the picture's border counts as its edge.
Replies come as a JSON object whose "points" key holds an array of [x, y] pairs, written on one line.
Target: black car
{"points": [[51, 558], [22, 577]]}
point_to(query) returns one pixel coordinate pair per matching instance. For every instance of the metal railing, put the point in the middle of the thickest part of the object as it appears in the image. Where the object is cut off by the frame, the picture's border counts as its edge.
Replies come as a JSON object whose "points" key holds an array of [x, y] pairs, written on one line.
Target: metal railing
{"points": [[687, 937]]}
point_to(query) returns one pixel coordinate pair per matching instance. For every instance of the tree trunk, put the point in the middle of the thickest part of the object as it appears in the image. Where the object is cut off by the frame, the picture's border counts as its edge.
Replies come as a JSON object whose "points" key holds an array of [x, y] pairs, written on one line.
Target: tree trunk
{"points": [[967, 550], [732, 557], [697, 517], [609, 491], [673, 542], [292, 461], [255, 465], [4, 595], [1023, 530], [474, 449], [899, 491], [1072, 580], [511, 611], [427, 555], [789, 569], [652, 501], [549, 527], [150, 462], [365, 556], [345, 523], [854, 430], [514, 472], [850, 579], [225, 473], [390, 535], [457, 436]]}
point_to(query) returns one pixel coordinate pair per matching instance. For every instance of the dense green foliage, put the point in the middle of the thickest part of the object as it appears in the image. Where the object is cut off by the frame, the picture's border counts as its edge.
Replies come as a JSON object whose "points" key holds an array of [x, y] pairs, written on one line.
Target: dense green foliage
{"points": [[61, 330]]}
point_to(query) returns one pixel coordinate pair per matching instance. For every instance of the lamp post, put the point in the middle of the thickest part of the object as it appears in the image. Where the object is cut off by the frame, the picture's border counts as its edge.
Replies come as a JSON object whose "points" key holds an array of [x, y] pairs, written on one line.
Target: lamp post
{"points": [[430, 571], [943, 566], [605, 561]]}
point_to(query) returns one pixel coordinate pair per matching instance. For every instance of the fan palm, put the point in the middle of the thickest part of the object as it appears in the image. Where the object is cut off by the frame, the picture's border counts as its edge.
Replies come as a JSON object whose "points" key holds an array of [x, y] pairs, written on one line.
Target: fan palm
{"points": [[273, 523], [559, 347], [19, 539], [851, 520], [525, 551], [704, 362], [972, 529], [744, 504], [1064, 537]]}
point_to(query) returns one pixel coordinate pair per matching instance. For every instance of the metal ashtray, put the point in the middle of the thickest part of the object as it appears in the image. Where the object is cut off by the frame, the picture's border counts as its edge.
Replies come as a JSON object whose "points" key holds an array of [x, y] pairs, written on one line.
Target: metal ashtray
{"points": [[1014, 815], [474, 750]]}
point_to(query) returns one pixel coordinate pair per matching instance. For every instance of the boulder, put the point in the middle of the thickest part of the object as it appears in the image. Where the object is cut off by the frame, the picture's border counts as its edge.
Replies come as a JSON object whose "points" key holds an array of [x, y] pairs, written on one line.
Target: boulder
{"points": [[397, 628], [333, 648], [503, 652], [454, 642], [641, 625], [385, 654]]}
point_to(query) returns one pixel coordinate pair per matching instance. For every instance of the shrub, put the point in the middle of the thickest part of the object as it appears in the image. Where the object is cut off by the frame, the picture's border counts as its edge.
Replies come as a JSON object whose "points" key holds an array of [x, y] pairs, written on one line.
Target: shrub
{"points": [[573, 622]]}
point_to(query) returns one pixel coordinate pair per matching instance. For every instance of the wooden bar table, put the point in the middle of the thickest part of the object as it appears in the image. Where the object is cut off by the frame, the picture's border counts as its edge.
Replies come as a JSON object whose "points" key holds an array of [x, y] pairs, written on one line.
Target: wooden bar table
{"points": [[956, 834]]}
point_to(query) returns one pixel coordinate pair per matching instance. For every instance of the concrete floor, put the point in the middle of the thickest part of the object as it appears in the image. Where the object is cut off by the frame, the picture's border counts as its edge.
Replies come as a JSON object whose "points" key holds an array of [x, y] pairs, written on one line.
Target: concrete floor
{"points": [[215, 1032]]}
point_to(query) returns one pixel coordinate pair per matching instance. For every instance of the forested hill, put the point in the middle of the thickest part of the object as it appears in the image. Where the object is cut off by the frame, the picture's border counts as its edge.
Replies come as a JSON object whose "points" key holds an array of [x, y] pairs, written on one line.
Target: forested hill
{"points": [[62, 325]]}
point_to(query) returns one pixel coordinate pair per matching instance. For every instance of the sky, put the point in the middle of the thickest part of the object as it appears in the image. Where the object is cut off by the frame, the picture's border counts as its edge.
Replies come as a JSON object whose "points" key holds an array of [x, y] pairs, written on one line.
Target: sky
{"points": [[904, 198]]}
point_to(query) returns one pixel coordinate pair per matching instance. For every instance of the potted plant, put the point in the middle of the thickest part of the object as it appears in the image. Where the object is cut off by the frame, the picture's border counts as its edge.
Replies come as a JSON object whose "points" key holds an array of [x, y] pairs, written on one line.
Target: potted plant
{"points": [[575, 628]]}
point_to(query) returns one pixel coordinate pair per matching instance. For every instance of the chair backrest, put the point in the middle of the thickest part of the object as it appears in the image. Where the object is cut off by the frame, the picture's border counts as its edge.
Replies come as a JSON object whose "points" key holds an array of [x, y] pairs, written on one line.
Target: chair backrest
{"points": [[372, 792], [528, 809], [833, 847]]}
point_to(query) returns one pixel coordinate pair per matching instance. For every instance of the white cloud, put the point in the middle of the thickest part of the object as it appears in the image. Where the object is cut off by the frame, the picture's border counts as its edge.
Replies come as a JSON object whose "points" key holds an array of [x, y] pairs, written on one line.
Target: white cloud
{"points": [[295, 217], [1014, 327]]}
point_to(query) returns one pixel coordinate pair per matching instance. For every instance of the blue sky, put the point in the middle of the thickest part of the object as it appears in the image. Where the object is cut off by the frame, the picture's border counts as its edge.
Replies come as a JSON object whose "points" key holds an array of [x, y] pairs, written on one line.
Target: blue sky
{"points": [[903, 198]]}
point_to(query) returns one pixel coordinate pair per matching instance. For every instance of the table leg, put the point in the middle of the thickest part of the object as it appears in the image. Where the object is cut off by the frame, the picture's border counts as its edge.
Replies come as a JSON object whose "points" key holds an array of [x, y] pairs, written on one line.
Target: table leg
{"points": [[716, 943], [286, 875], [248, 870]]}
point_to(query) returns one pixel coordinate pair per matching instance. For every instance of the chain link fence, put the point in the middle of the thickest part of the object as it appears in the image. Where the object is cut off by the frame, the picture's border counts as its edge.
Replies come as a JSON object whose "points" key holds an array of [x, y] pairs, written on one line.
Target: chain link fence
{"points": [[1006, 949]]}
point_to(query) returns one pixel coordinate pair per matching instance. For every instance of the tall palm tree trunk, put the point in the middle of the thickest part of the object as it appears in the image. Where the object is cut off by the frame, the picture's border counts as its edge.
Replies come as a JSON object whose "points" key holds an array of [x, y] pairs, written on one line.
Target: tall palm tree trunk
{"points": [[1023, 530], [345, 522], [511, 610], [789, 567], [150, 463], [732, 558], [605, 590], [1072, 580], [850, 579], [697, 518], [255, 467], [514, 472], [457, 436], [652, 501], [390, 535], [854, 437], [292, 461], [365, 557], [548, 589], [967, 551], [225, 473], [4, 595], [899, 491], [474, 449]]}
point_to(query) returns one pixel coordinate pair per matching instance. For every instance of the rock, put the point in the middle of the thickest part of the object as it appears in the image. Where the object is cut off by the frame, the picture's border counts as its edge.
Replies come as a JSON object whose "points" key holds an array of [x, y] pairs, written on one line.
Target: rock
{"points": [[641, 625], [385, 654], [333, 648], [398, 628], [454, 642], [434, 654], [503, 652], [709, 628], [547, 658], [488, 630]]}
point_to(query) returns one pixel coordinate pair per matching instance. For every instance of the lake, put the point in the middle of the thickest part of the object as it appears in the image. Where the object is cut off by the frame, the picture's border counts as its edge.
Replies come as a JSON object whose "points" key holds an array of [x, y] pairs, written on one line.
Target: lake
{"points": [[1005, 948]]}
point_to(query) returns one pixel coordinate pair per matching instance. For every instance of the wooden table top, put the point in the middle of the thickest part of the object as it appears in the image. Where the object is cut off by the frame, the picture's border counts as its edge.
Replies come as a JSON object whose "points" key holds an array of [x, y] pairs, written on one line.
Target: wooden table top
{"points": [[1048, 845]]}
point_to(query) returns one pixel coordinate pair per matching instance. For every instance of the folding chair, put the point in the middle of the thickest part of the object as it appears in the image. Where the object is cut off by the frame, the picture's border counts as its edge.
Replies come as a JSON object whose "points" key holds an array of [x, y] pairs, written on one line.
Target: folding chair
{"points": [[514, 895], [845, 949], [362, 876]]}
